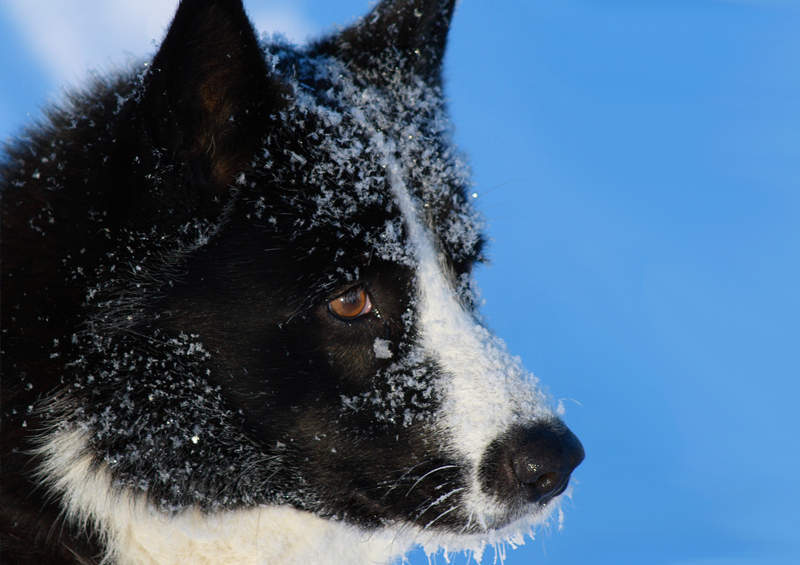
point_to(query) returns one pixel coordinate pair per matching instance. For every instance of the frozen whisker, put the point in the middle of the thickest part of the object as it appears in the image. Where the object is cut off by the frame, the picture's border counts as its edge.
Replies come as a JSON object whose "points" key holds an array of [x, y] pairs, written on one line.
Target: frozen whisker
{"points": [[439, 500], [469, 522], [429, 524], [429, 473]]}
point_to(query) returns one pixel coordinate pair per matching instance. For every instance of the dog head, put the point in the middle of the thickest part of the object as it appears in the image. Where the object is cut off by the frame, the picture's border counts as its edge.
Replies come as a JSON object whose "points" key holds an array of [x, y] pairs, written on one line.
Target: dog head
{"points": [[280, 307]]}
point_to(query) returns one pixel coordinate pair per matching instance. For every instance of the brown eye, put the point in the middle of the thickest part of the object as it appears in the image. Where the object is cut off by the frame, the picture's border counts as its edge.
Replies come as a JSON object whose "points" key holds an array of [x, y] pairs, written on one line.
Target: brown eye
{"points": [[351, 305]]}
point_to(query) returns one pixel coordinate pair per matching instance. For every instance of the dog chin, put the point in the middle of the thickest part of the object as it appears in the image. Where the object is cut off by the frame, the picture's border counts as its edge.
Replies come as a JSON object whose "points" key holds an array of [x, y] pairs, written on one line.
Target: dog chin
{"points": [[517, 518], [496, 531]]}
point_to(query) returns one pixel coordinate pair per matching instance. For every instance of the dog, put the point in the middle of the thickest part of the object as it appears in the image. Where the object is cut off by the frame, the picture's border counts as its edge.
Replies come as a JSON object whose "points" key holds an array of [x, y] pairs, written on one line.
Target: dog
{"points": [[239, 323]]}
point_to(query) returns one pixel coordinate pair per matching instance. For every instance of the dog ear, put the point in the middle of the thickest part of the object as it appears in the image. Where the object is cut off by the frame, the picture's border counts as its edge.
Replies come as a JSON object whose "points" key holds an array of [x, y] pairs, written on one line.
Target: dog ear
{"points": [[208, 90], [409, 34]]}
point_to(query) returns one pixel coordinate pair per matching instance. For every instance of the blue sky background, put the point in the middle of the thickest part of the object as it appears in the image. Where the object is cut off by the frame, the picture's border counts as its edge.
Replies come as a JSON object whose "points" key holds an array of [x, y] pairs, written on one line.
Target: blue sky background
{"points": [[638, 163]]}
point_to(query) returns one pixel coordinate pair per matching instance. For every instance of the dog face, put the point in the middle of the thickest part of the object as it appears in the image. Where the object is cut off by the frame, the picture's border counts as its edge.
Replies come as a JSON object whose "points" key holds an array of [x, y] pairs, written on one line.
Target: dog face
{"points": [[278, 298]]}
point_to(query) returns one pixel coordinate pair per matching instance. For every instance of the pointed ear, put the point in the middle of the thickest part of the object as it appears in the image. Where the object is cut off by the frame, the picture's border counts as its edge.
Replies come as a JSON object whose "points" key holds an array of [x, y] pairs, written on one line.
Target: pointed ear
{"points": [[208, 90], [410, 34]]}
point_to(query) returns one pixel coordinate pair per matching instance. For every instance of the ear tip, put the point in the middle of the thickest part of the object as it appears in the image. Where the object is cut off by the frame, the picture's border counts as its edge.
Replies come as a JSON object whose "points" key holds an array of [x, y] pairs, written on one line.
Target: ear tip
{"points": [[209, 67], [199, 4], [409, 33], [191, 12]]}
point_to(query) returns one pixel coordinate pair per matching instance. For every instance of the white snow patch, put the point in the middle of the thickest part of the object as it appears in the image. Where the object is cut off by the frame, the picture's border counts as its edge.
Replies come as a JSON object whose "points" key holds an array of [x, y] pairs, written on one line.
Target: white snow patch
{"points": [[382, 349]]}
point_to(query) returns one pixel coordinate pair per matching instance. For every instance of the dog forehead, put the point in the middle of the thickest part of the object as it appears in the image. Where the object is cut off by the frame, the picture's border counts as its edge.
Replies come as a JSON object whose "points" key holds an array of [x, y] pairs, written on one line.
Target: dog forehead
{"points": [[334, 141]]}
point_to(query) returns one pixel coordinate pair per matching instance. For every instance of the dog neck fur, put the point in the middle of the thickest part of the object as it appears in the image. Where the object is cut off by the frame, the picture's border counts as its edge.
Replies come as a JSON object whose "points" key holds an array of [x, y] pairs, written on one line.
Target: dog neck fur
{"points": [[134, 532]]}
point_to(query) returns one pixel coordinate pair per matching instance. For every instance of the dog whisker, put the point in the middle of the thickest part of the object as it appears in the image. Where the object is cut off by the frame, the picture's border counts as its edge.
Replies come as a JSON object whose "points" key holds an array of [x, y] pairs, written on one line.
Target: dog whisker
{"points": [[439, 500], [429, 473], [429, 524]]}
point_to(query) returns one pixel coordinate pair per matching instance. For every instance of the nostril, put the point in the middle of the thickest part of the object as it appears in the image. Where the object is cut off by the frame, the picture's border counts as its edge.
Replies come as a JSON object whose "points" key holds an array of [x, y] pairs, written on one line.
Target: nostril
{"points": [[538, 482], [547, 482], [526, 469]]}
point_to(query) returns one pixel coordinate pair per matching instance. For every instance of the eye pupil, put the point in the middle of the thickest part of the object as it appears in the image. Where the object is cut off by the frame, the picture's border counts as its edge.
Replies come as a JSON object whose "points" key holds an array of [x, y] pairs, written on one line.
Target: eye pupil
{"points": [[351, 305]]}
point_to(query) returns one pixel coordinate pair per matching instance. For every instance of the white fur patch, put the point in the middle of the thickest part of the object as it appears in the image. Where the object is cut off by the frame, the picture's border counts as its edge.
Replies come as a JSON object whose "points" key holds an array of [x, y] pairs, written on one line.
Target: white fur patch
{"points": [[486, 390], [136, 533]]}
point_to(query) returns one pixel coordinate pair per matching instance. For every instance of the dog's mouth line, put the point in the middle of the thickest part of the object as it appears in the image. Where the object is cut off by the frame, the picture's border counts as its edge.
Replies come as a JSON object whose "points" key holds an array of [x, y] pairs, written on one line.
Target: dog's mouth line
{"points": [[428, 517], [465, 524]]}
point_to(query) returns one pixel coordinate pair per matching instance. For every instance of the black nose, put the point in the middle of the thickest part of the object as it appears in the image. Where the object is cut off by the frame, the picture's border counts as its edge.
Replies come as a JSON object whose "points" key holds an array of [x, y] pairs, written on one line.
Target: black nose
{"points": [[531, 463]]}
